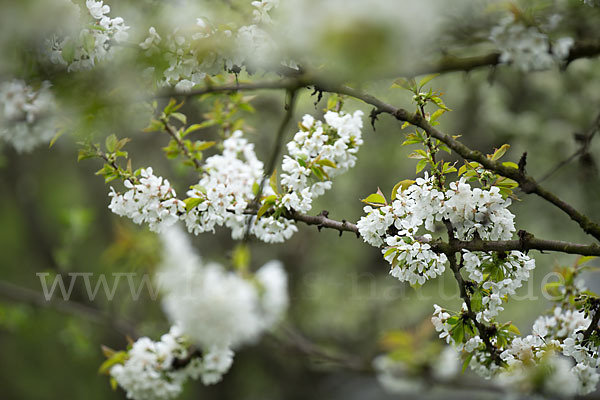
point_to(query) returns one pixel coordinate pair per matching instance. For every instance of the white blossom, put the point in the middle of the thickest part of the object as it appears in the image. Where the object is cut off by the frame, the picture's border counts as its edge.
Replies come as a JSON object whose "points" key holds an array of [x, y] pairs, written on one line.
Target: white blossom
{"points": [[152, 201], [26, 114], [148, 372], [83, 49], [216, 307], [527, 47], [332, 145]]}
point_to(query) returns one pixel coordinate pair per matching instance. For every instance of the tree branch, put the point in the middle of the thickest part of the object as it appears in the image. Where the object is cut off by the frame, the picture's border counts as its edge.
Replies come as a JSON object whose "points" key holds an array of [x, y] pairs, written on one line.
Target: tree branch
{"points": [[323, 221], [173, 133], [585, 142], [526, 182], [525, 243], [20, 294], [300, 343], [484, 330]]}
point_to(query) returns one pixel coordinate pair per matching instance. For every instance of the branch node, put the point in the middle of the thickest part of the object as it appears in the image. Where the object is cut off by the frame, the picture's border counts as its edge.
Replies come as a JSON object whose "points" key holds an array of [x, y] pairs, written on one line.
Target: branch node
{"points": [[319, 94], [373, 117], [522, 163]]}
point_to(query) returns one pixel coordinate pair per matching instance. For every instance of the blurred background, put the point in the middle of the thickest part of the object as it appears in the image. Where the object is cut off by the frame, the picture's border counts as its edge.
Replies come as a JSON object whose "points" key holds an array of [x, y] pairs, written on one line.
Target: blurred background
{"points": [[55, 220]]}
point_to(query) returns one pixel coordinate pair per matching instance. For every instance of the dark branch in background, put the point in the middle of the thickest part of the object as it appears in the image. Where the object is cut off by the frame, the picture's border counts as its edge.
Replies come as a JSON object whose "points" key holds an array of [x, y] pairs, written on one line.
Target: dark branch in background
{"points": [[299, 343], [289, 107], [295, 79], [23, 295], [285, 83], [173, 133], [449, 63], [585, 142]]}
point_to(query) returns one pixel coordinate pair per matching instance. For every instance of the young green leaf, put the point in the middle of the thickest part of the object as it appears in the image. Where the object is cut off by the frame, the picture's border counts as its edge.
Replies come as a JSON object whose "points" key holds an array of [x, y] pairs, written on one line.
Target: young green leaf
{"points": [[402, 186]]}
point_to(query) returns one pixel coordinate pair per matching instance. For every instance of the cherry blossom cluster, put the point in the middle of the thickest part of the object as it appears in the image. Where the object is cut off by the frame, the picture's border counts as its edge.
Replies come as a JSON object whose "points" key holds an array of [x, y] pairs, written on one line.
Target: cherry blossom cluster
{"points": [[527, 47], [471, 211], [225, 189], [26, 114], [216, 307], [499, 275], [559, 332], [152, 200], [229, 182], [93, 43], [149, 371], [187, 64], [190, 57], [556, 351], [213, 311], [549, 375], [330, 146]]}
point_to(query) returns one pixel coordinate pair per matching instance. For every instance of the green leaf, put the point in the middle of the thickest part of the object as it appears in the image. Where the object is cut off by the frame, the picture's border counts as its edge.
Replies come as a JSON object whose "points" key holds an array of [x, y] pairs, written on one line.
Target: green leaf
{"points": [[118, 357], [438, 102], [513, 329], [467, 361], [273, 182], [192, 202], [375, 198], [111, 143], [241, 257], [107, 351], [154, 126], [402, 186], [476, 301], [500, 152], [180, 116], [425, 80], [302, 162], [445, 148], [408, 84], [389, 252], [84, 154], [420, 165], [200, 145], [172, 107], [326, 163], [89, 41], [438, 113], [318, 172], [583, 260], [418, 154], [191, 128], [510, 164], [68, 50], [458, 333], [113, 383], [267, 204]]}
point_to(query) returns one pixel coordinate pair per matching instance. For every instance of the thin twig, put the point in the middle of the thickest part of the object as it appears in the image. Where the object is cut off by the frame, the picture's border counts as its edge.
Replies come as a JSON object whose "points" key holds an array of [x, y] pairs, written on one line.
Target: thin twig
{"points": [[583, 149], [173, 133], [289, 113], [20, 294]]}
